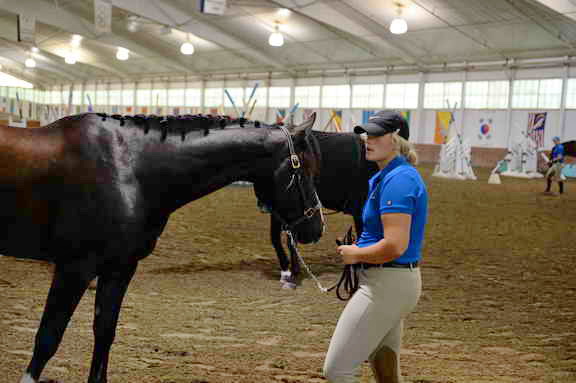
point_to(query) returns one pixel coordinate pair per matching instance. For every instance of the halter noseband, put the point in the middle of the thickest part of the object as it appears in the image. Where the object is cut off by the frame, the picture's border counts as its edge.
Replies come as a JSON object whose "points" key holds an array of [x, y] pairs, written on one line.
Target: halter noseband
{"points": [[308, 212]]}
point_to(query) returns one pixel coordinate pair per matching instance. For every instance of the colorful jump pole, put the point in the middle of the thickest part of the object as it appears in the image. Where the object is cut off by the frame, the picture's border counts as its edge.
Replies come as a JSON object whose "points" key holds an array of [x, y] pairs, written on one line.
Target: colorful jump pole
{"points": [[232, 102]]}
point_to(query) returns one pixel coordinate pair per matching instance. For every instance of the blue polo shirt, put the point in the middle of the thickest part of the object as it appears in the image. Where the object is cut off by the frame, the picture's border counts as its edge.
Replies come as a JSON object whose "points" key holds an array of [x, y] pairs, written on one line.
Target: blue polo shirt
{"points": [[398, 188], [558, 151]]}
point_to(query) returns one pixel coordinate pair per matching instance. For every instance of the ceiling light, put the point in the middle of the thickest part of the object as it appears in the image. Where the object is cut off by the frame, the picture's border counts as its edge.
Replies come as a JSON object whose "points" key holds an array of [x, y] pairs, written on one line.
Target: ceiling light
{"points": [[34, 49], [75, 40], [187, 48], [30, 63], [398, 26], [283, 12], [122, 54], [71, 58], [276, 38]]}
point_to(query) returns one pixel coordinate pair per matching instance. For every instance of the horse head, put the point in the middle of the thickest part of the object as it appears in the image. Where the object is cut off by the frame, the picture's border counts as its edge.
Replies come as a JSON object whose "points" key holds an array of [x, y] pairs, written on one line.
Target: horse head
{"points": [[291, 193]]}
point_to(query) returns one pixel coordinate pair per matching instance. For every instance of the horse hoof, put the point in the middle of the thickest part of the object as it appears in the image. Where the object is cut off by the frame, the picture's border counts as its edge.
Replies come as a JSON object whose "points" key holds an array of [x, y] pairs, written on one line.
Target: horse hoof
{"points": [[288, 285]]}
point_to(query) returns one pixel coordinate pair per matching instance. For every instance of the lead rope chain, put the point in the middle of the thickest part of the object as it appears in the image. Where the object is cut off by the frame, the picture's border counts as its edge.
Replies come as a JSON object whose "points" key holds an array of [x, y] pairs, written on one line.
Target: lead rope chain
{"points": [[294, 249]]}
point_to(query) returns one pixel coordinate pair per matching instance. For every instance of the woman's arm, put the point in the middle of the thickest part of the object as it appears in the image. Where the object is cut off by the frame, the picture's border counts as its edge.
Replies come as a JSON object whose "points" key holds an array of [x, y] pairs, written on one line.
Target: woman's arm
{"points": [[397, 237]]}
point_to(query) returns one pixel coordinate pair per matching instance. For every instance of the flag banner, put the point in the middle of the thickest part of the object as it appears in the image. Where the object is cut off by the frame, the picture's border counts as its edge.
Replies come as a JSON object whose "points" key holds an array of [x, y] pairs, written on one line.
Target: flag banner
{"points": [[280, 114], [213, 7], [90, 109], [535, 128], [129, 109], [102, 17], [486, 129], [406, 114], [366, 115], [335, 120], [443, 121], [24, 109], [307, 113], [176, 111], [26, 28], [70, 94], [144, 110]]}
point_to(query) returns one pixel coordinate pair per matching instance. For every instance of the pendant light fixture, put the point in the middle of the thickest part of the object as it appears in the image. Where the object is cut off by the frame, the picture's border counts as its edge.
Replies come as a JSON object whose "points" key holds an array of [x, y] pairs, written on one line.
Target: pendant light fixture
{"points": [[187, 48], [398, 26], [276, 38]]}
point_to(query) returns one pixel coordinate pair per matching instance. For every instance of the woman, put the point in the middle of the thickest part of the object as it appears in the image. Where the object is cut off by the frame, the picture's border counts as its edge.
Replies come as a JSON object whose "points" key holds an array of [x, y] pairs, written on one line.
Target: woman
{"points": [[556, 164], [387, 254]]}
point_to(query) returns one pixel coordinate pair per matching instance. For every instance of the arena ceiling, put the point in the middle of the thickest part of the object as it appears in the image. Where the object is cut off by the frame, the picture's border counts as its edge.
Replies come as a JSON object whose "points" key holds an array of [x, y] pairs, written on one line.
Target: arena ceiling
{"points": [[342, 36]]}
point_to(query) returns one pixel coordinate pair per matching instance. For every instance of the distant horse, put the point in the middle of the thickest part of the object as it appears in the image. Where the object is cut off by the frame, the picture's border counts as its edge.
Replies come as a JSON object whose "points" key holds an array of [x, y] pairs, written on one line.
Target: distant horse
{"points": [[342, 186], [92, 193], [569, 148]]}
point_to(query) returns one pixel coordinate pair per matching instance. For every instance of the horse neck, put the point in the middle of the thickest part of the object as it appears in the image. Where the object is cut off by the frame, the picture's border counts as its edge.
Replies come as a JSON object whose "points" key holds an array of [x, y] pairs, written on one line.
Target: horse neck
{"points": [[185, 171]]}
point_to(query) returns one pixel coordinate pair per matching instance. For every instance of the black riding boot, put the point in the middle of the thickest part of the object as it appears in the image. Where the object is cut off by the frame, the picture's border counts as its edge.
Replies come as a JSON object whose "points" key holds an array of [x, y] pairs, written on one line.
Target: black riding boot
{"points": [[548, 185], [561, 187]]}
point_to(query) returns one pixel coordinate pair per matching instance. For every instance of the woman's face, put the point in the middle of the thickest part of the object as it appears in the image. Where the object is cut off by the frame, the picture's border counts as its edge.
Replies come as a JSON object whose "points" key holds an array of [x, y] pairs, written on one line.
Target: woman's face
{"points": [[380, 148]]}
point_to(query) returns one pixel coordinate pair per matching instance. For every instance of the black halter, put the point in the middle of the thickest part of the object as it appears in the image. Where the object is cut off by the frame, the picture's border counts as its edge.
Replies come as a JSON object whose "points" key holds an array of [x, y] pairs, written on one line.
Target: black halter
{"points": [[310, 207]]}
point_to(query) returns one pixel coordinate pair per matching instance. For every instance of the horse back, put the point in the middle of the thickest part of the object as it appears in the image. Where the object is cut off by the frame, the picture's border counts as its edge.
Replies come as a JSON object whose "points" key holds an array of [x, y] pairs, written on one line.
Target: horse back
{"points": [[60, 191]]}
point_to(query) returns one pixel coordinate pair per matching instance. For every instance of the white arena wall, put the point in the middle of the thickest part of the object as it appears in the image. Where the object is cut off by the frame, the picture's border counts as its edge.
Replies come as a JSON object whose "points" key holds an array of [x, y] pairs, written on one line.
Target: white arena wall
{"points": [[506, 124]]}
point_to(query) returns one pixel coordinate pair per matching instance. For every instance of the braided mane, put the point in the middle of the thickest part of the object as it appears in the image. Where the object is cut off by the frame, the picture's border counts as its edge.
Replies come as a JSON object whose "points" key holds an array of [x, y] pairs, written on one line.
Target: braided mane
{"points": [[182, 124]]}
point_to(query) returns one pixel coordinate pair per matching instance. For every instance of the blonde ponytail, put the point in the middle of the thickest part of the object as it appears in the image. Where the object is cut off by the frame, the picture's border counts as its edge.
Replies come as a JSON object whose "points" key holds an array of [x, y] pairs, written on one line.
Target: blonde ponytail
{"points": [[405, 149]]}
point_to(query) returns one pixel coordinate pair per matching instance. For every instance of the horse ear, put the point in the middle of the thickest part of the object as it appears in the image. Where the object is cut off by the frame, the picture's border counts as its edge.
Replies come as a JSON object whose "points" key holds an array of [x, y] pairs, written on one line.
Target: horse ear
{"points": [[306, 126]]}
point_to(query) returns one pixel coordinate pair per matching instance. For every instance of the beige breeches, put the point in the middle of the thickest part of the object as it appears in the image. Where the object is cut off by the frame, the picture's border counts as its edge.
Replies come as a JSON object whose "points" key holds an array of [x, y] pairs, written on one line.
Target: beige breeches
{"points": [[370, 327], [555, 172]]}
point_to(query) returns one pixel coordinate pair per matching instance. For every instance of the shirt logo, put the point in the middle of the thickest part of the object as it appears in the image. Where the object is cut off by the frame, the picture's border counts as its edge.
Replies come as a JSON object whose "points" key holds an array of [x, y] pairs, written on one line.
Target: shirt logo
{"points": [[389, 203]]}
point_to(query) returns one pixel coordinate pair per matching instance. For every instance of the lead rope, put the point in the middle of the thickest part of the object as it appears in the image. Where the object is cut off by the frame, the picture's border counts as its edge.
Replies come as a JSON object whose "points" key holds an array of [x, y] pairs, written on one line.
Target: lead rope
{"points": [[294, 250], [349, 279]]}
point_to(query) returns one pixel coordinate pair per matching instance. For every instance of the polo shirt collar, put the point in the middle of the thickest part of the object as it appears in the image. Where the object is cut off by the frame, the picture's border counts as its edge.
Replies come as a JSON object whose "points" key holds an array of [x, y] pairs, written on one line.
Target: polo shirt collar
{"points": [[396, 161]]}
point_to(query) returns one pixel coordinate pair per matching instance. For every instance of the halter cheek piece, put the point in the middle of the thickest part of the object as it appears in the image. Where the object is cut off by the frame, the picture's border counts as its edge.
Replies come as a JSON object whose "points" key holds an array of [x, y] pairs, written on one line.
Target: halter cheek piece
{"points": [[310, 208]]}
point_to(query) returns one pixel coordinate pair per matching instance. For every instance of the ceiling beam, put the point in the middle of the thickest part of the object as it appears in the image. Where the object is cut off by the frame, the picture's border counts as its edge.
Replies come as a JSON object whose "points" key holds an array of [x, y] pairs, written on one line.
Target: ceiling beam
{"points": [[332, 28], [15, 69], [18, 53], [190, 22], [547, 27], [54, 62], [73, 23], [482, 43], [357, 17]]}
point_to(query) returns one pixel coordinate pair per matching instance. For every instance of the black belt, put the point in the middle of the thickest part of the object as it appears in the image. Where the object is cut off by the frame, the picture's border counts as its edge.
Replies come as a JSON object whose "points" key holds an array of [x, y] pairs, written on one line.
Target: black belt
{"points": [[410, 265]]}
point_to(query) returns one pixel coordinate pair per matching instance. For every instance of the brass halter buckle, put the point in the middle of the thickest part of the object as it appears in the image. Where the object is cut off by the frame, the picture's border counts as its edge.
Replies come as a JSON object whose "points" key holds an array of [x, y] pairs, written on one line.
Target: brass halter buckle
{"points": [[308, 213], [295, 161]]}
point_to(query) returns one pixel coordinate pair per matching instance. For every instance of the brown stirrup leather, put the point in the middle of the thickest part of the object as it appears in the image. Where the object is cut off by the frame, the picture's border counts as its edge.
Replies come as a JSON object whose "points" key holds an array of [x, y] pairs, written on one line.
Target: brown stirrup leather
{"points": [[385, 366]]}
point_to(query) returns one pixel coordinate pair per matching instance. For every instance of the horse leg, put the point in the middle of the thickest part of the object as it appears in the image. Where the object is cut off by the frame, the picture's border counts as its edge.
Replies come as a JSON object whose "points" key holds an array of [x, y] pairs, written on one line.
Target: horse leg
{"points": [[112, 286], [68, 287], [275, 237]]}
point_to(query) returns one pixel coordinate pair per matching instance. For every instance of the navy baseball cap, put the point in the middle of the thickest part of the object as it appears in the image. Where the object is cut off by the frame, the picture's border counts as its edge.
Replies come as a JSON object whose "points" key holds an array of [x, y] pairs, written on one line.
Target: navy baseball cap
{"points": [[383, 122]]}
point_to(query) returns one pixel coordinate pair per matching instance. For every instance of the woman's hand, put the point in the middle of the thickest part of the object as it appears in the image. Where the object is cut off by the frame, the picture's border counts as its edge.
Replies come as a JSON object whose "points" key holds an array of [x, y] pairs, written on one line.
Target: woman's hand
{"points": [[349, 254]]}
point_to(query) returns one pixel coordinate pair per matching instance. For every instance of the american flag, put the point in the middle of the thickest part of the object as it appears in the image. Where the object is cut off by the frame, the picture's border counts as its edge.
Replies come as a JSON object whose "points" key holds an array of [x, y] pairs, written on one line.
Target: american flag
{"points": [[535, 129]]}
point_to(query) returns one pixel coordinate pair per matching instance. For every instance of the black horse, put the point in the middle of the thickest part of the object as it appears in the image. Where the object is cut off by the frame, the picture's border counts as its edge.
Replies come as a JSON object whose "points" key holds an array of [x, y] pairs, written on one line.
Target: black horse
{"points": [[342, 186], [92, 193], [569, 148]]}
